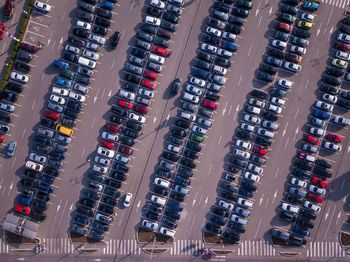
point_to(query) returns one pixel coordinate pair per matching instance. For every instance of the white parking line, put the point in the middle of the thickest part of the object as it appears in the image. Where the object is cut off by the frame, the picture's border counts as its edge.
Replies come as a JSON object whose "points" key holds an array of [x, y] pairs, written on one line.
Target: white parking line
{"points": [[31, 21], [35, 34]]}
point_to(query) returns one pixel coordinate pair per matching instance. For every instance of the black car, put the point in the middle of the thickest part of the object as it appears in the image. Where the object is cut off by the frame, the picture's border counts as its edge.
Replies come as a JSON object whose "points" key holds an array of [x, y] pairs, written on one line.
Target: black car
{"points": [[213, 228], [111, 192], [217, 220], [175, 87], [42, 140], [305, 223], [205, 56], [170, 17], [264, 76], [179, 132], [323, 163], [289, 9], [127, 141], [85, 211], [115, 39], [102, 22], [71, 113], [257, 160], [335, 72], [151, 207], [303, 164], [182, 181], [301, 32], [301, 173], [164, 174], [9, 96], [97, 178], [81, 32], [275, 52], [115, 119], [134, 125], [112, 183], [212, 96], [188, 163], [175, 140], [106, 209], [149, 29], [139, 53], [132, 78], [191, 154], [231, 236], [239, 229], [57, 155], [329, 89], [87, 202], [26, 182], [168, 26], [262, 141], [48, 123], [238, 162], [153, 11], [214, 40], [223, 7], [343, 104], [193, 146], [70, 57], [268, 68], [296, 240], [248, 186], [14, 87], [270, 116], [321, 171], [22, 67], [307, 214], [287, 216], [293, 199], [104, 13], [331, 80], [219, 211], [185, 172], [77, 106], [51, 171], [76, 41], [236, 20], [161, 191], [167, 223], [258, 94], [232, 169], [170, 156], [172, 215], [152, 216], [31, 174], [234, 29], [24, 56], [99, 30], [222, 62], [240, 12], [227, 195], [182, 123], [109, 200], [161, 42], [130, 133]]}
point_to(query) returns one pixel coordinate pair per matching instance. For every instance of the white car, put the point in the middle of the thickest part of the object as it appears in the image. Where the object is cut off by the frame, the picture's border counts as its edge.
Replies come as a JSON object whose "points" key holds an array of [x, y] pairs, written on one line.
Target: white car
{"points": [[278, 101], [256, 102], [190, 98], [34, 166], [255, 169], [238, 219], [19, 77], [109, 136], [289, 208], [121, 158], [127, 95], [307, 17], [145, 92], [229, 36], [158, 200], [100, 169], [177, 2], [138, 118], [158, 4], [150, 225], [279, 44], [156, 58], [313, 207], [329, 98], [167, 232], [199, 130], [270, 125], [243, 144], [291, 66], [60, 91], [225, 205], [97, 39], [42, 6], [196, 81], [241, 154], [341, 121], [105, 152], [174, 148], [332, 146], [72, 49], [57, 99], [284, 83], [182, 190], [247, 127], [298, 50], [83, 25], [324, 106], [298, 182], [193, 90], [92, 55], [37, 158], [317, 131], [209, 48], [152, 20], [7, 107], [162, 182], [102, 161], [317, 190], [342, 55], [219, 70], [251, 176], [252, 119], [245, 202], [213, 31], [343, 38], [77, 97], [127, 199], [274, 108]]}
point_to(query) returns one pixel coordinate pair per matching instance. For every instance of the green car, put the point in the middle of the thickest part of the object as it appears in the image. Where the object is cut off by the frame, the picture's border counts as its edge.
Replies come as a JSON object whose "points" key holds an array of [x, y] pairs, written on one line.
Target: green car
{"points": [[197, 138], [67, 74]]}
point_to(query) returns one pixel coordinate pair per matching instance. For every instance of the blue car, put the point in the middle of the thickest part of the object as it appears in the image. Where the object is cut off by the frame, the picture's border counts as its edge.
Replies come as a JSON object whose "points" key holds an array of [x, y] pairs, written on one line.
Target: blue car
{"points": [[320, 114], [25, 201], [44, 188], [47, 179], [63, 82], [199, 73], [40, 206], [106, 5], [60, 64], [175, 207], [300, 231], [229, 46], [312, 6]]}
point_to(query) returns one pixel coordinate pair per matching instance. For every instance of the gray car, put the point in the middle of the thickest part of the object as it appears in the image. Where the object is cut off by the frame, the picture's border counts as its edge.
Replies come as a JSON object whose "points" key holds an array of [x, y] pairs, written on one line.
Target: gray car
{"points": [[154, 67], [144, 45], [144, 36], [133, 69], [204, 122], [55, 107], [136, 60]]}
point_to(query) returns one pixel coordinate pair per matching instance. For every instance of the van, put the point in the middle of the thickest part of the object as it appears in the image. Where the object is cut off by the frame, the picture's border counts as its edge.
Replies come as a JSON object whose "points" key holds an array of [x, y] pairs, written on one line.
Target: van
{"points": [[64, 130], [86, 62]]}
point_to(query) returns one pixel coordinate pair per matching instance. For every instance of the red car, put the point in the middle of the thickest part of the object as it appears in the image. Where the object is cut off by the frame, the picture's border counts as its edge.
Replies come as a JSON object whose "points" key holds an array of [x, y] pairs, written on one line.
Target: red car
{"points": [[311, 139], [125, 104], [148, 84], [150, 75], [342, 46], [210, 104], [112, 127], [52, 115], [259, 150], [22, 209], [319, 182], [2, 138], [141, 109], [314, 198], [285, 27], [161, 51], [107, 144], [125, 150], [8, 10], [334, 137]]}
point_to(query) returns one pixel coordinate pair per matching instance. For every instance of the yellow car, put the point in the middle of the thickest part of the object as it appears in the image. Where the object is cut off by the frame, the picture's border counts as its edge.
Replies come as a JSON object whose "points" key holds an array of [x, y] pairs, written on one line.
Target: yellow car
{"points": [[339, 63], [304, 24]]}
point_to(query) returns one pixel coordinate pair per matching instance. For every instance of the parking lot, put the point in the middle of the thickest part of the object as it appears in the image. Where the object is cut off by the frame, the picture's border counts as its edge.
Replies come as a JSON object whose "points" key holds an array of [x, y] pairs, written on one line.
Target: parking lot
{"points": [[212, 160]]}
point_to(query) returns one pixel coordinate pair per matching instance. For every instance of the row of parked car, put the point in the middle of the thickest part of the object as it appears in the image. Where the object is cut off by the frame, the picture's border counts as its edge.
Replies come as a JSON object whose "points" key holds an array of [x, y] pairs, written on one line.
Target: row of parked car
{"points": [[127, 116], [307, 184], [171, 183], [251, 142]]}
